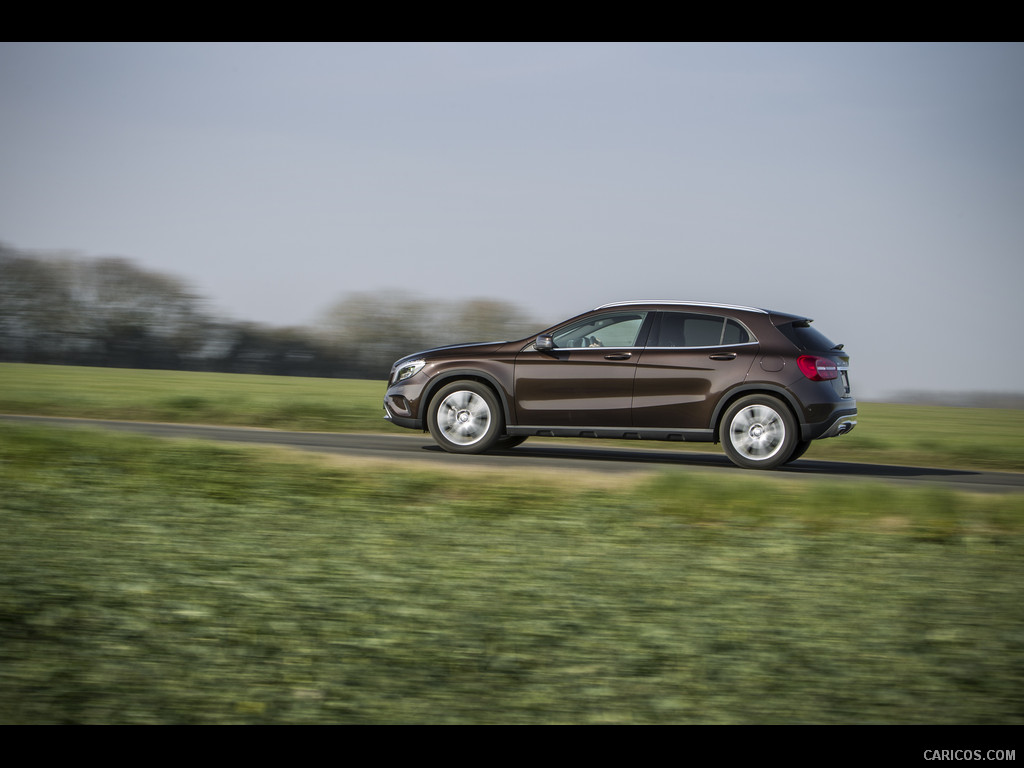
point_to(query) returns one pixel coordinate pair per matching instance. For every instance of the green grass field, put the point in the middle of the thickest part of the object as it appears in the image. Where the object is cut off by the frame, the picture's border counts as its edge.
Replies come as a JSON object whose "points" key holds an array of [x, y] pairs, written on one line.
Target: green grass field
{"points": [[164, 581], [283, 402], [149, 581], [930, 436]]}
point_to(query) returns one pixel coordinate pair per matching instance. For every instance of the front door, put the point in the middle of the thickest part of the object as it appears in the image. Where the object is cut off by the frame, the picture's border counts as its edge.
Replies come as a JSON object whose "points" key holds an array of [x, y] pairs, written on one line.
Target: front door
{"points": [[587, 379]]}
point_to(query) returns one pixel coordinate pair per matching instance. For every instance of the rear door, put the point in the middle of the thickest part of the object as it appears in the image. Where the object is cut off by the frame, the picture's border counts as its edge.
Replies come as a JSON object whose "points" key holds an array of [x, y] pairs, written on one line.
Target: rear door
{"points": [[689, 361]]}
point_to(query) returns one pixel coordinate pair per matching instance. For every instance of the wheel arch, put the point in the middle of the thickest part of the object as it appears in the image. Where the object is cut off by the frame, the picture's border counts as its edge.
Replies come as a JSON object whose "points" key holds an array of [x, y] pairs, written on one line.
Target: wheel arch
{"points": [[469, 374], [755, 388]]}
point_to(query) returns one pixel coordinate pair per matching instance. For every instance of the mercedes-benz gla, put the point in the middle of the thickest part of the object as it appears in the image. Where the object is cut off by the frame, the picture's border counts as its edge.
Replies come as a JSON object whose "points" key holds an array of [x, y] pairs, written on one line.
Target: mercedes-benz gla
{"points": [[764, 384]]}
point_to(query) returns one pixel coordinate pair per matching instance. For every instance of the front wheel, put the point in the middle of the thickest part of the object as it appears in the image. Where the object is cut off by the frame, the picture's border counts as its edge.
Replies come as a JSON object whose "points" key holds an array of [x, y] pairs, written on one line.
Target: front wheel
{"points": [[465, 417], [758, 432], [510, 441]]}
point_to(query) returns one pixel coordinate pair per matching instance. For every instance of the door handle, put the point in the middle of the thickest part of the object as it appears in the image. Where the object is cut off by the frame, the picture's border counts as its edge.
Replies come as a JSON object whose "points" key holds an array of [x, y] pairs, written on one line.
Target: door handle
{"points": [[619, 356], [723, 356]]}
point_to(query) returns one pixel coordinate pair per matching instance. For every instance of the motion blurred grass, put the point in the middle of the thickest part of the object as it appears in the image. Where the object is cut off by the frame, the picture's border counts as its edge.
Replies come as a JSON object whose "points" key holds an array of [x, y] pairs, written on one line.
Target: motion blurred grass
{"points": [[281, 402], [149, 581], [935, 436]]}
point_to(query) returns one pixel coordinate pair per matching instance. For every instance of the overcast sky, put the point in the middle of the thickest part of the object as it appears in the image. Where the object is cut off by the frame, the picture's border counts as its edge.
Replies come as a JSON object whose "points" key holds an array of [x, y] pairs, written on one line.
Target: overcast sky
{"points": [[876, 188]]}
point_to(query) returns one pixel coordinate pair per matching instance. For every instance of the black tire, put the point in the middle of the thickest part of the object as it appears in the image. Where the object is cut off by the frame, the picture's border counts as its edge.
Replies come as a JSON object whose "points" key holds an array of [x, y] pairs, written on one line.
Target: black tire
{"points": [[800, 450], [510, 441], [758, 432], [465, 417]]}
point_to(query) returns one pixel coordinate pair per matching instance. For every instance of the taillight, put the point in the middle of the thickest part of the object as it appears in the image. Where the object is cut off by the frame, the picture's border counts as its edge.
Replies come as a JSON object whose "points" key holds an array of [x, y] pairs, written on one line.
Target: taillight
{"points": [[817, 368]]}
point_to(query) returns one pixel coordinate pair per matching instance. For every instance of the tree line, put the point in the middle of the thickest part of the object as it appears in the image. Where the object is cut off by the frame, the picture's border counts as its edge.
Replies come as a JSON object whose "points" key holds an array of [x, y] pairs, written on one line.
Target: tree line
{"points": [[70, 310]]}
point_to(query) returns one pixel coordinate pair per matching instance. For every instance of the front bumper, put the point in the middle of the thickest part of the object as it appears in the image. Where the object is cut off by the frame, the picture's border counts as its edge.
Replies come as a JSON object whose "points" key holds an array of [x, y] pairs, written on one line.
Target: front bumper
{"points": [[399, 410]]}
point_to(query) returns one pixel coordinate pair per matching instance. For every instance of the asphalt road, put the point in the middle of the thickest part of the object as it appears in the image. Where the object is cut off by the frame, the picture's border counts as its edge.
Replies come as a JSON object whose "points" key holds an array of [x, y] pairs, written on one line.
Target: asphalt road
{"points": [[599, 456]]}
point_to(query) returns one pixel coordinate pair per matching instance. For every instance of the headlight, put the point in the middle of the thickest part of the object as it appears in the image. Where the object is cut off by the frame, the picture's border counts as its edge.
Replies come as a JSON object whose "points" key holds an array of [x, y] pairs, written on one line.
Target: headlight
{"points": [[407, 370]]}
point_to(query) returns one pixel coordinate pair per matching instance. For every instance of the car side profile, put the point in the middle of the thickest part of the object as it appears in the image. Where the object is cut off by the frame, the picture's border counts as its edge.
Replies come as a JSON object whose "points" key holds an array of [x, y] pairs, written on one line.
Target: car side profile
{"points": [[764, 384]]}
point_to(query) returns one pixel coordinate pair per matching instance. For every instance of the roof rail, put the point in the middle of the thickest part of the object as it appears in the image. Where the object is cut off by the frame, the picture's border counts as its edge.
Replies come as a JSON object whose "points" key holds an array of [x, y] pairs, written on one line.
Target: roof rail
{"points": [[682, 303]]}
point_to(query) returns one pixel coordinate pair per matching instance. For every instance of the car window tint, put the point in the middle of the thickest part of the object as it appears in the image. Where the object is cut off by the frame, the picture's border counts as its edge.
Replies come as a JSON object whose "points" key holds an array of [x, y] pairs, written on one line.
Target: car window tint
{"points": [[735, 333], [616, 330], [703, 331], [680, 329], [807, 338]]}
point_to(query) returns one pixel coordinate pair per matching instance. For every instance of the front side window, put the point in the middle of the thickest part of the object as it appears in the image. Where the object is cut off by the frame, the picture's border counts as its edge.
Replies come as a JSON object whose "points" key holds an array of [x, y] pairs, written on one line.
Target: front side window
{"points": [[611, 330], [684, 329]]}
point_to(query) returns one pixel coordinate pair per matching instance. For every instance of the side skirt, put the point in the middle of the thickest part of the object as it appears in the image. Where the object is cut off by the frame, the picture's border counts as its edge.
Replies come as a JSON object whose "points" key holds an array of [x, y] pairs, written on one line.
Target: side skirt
{"points": [[617, 433]]}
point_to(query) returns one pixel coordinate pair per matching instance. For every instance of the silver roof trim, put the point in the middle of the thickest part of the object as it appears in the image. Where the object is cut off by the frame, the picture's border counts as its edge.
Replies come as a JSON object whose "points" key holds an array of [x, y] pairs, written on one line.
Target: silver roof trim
{"points": [[683, 304]]}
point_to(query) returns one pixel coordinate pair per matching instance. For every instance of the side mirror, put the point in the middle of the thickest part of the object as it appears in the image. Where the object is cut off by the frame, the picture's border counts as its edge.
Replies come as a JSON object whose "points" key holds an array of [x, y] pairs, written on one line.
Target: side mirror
{"points": [[545, 342]]}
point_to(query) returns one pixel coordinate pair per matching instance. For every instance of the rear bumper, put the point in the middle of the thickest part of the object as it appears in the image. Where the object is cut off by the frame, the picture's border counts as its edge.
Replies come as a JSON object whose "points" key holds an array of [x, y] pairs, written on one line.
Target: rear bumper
{"points": [[839, 424]]}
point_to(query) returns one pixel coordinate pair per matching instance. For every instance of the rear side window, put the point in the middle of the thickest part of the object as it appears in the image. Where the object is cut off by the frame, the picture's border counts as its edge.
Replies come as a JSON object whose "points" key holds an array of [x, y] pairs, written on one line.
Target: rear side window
{"points": [[807, 338], [683, 329]]}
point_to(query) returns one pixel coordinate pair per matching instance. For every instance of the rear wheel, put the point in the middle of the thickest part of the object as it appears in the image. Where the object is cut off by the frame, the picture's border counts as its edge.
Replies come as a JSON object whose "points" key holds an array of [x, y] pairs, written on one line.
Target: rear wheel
{"points": [[465, 417], [758, 432], [800, 450]]}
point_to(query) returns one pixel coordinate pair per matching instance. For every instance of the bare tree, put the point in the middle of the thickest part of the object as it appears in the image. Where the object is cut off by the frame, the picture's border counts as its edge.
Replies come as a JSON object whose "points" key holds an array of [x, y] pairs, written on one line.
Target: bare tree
{"points": [[35, 307], [61, 308], [139, 314], [372, 330], [489, 320]]}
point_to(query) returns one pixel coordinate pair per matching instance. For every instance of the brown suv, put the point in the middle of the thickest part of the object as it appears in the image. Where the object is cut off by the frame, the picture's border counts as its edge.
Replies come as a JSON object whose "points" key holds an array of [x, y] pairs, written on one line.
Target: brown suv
{"points": [[762, 383]]}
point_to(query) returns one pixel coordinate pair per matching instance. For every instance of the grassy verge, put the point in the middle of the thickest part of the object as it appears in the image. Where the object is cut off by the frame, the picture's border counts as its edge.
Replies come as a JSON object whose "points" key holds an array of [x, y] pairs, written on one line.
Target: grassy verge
{"points": [[148, 581], [963, 438], [282, 402]]}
